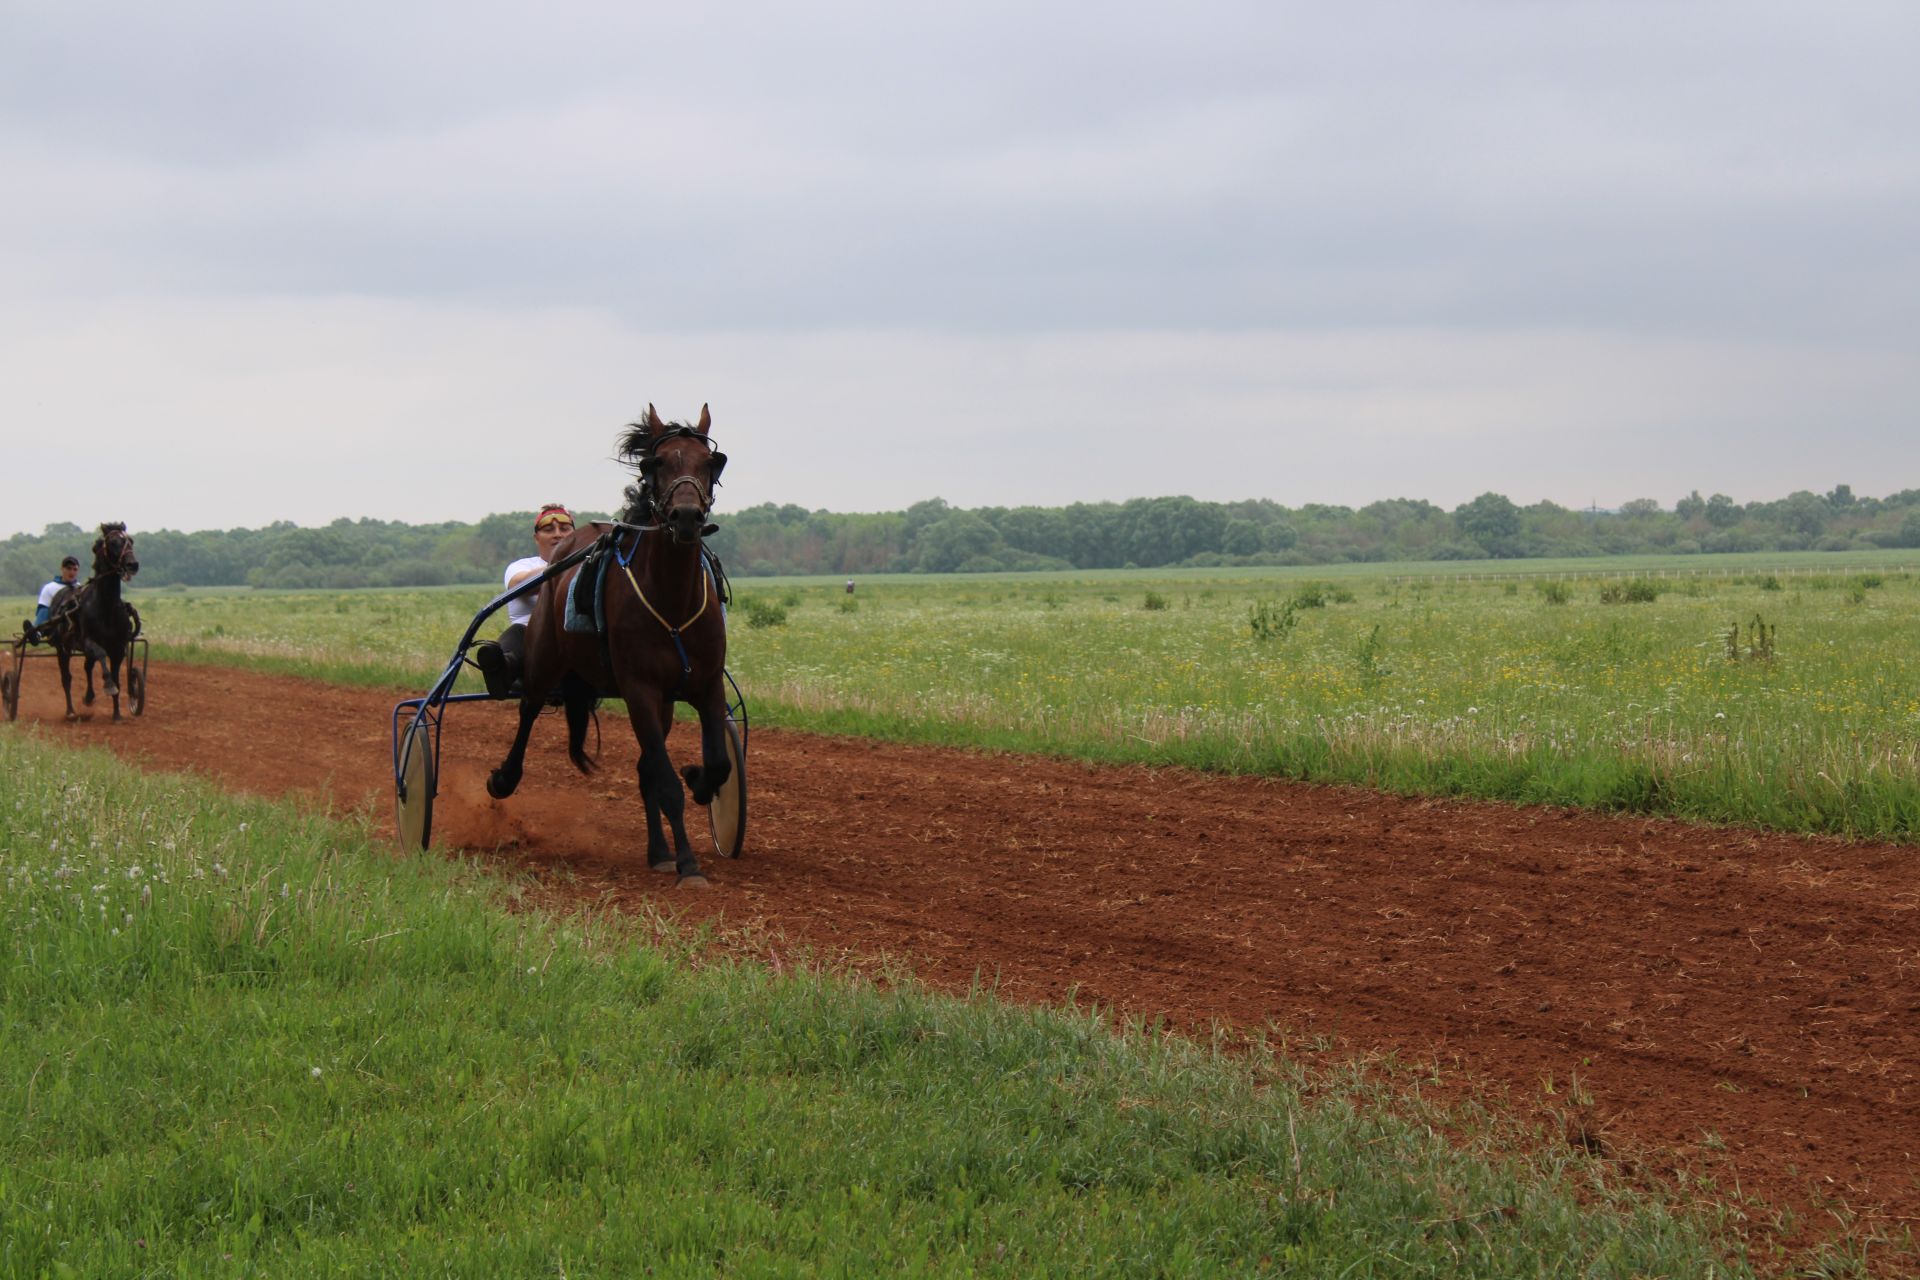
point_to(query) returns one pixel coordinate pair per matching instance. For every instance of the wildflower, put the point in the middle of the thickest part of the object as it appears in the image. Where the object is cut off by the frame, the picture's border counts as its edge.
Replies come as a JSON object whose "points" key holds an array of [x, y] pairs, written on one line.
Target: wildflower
{"points": [[315, 1072]]}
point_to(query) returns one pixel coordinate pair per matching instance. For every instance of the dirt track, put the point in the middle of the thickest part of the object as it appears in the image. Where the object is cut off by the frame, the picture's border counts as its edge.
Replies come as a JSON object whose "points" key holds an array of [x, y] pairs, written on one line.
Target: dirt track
{"points": [[1707, 987]]}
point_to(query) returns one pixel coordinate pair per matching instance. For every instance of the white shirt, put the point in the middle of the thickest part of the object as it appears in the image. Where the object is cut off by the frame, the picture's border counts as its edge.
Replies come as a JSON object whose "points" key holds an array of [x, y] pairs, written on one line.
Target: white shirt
{"points": [[52, 589], [522, 609]]}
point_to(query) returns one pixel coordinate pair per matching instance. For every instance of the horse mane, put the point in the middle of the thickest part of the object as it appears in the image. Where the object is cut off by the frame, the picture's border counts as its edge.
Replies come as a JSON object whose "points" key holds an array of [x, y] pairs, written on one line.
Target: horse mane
{"points": [[636, 442], [634, 447]]}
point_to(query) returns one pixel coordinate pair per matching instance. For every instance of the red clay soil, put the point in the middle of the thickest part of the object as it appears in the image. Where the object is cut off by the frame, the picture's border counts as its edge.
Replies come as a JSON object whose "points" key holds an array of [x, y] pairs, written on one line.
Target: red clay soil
{"points": [[1736, 1003]]}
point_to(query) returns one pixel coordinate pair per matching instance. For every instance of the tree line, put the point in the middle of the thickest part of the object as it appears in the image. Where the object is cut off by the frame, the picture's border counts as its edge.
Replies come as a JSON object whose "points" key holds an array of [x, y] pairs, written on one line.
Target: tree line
{"points": [[933, 537]]}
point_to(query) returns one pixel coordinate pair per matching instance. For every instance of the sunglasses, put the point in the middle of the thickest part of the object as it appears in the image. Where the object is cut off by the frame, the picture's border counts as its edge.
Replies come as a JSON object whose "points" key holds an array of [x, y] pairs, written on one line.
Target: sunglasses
{"points": [[555, 522]]}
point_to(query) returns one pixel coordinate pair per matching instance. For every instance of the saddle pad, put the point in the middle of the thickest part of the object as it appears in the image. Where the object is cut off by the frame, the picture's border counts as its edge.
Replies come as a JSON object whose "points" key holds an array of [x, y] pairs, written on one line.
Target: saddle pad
{"points": [[578, 621]]}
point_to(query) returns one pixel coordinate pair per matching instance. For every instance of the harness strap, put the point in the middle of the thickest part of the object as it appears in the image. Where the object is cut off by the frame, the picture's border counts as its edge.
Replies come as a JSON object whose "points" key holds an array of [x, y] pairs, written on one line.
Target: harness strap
{"points": [[686, 664]]}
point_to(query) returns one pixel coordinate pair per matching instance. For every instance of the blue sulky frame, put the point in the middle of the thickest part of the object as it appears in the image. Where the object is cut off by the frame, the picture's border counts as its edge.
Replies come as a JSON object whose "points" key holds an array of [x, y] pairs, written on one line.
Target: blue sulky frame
{"points": [[416, 738]]}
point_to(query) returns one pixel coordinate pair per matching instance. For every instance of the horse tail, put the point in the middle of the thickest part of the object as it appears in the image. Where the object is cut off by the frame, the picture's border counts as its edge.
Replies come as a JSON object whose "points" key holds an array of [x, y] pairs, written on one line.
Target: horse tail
{"points": [[579, 698]]}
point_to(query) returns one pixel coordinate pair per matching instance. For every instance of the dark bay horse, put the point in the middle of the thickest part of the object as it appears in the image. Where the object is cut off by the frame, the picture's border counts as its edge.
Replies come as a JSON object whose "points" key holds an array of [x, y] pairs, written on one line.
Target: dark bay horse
{"points": [[665, 639], [93, 619]]}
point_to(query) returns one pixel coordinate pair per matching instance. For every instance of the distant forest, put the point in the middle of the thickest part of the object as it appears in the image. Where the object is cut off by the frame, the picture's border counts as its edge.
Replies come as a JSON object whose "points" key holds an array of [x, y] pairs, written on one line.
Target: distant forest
{"points": [[933, 537]]}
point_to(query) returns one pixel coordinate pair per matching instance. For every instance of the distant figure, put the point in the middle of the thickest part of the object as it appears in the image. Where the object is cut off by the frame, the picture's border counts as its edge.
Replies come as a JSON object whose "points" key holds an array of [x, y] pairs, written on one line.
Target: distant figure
{"points": [[69, 573], [849, 586]]}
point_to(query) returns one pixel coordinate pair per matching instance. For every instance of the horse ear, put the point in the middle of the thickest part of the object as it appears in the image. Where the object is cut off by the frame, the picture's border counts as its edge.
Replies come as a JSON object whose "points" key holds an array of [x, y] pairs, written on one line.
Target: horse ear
{"points": [[706, 420], [653, 417]]}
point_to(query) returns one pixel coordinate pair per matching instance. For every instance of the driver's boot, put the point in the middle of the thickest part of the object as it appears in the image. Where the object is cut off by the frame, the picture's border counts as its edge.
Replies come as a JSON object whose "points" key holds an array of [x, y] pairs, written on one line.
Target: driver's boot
{"points": [[496, 667]]}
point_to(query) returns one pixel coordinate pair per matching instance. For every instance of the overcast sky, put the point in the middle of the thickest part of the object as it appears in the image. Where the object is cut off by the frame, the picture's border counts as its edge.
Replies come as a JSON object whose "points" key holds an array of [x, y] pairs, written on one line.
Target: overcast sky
{"points": [[419, 260]]}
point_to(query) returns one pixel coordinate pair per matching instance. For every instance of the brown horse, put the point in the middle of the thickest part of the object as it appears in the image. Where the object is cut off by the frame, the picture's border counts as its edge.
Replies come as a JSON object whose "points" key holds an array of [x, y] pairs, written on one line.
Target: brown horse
{"points": [[665, 638], [94, 618]]}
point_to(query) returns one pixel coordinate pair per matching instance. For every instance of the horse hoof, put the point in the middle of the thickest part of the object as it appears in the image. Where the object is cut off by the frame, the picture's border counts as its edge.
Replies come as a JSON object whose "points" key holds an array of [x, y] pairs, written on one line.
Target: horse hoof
{"points": [[694, 881], [666, 868], [73, 715], [87, 701], [499, 786]]}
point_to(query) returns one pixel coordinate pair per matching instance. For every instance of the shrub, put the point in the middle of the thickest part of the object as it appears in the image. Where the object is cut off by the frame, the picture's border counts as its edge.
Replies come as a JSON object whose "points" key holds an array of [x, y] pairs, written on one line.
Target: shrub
{"points": [[1271, 621], [1311, 595], [1154, 600], [1636, 591], [1555, 592], [763, 613]]}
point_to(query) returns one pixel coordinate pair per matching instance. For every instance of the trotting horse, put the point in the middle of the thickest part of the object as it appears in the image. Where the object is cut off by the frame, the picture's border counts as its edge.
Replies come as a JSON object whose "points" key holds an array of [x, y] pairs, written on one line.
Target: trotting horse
{"points": [[93, 619], [665, 638]]}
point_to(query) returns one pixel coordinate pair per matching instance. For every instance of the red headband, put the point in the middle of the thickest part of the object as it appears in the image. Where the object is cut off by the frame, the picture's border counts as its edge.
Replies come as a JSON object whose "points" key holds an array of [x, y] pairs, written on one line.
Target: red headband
{"points": [[552, 509]]}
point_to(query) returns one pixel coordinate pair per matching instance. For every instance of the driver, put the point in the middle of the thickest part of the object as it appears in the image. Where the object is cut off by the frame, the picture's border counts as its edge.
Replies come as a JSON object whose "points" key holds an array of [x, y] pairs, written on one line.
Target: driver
{"points": [[69, 574], [499, 660]]}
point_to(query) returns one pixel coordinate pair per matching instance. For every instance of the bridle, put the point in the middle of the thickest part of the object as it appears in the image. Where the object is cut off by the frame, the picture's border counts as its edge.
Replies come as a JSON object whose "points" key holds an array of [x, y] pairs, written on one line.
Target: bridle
{"points": [[113, 553], [657, 501]]}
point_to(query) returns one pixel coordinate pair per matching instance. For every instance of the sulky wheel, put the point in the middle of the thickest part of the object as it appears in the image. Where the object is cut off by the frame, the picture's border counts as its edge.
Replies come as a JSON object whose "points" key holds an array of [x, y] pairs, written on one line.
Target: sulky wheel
{"points": [[727, 814], [137, 690], [413, 788]]}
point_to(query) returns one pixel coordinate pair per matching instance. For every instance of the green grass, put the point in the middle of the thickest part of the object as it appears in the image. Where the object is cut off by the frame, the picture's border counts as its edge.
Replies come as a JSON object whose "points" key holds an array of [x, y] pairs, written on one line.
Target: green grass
{"points": [[239, 1039], [1410, 678]]}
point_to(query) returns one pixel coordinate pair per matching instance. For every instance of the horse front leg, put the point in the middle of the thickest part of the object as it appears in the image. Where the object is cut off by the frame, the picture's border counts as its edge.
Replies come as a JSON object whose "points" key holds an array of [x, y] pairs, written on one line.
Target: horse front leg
{"points": [[661, 788], [659, 852], [705, 779], [113, 683]]}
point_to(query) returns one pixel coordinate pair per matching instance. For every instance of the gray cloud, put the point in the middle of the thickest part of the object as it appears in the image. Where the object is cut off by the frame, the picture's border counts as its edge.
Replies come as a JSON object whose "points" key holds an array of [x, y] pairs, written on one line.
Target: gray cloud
{"points": [[1729, 191]]}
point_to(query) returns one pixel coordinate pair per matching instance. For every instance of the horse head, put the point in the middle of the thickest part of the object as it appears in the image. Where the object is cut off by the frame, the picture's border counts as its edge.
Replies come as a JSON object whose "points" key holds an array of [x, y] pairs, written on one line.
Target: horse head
{"points": [[113, 552], [679, 469]]}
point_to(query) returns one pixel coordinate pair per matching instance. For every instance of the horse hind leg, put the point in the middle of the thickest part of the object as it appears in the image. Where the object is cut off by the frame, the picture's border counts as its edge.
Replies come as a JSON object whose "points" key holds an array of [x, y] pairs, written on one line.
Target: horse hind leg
{"points": [[66, 683], [113, 684], [579, 697]]}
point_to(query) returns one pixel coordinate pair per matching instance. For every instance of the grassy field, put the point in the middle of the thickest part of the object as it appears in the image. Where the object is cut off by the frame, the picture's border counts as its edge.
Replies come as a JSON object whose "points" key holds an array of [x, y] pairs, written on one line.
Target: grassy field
{"points": [[236, 1039], [1778, 691]]}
